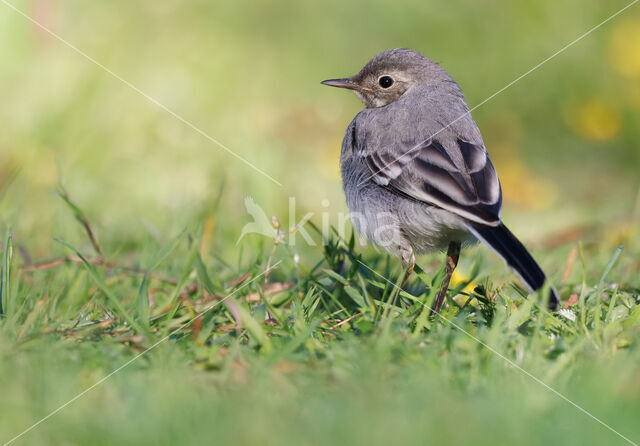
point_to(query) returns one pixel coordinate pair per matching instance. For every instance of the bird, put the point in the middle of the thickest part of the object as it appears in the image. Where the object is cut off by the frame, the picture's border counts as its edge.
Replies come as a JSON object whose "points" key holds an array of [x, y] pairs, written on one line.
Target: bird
{"points": [[415, 171]]}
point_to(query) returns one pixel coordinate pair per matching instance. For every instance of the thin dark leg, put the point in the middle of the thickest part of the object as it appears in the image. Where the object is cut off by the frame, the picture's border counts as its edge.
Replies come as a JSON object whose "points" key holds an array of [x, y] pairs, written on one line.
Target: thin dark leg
{"points": [[453, 254]]}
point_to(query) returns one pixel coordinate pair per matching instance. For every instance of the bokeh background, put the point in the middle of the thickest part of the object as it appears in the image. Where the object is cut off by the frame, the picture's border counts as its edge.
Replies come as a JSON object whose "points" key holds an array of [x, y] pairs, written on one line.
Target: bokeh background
{"points": [[565, 139]]}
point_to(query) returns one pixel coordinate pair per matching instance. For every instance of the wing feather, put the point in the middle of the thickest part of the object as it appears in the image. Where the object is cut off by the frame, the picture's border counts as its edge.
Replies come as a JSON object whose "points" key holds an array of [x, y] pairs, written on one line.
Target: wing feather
{"points": [[458, 177]]}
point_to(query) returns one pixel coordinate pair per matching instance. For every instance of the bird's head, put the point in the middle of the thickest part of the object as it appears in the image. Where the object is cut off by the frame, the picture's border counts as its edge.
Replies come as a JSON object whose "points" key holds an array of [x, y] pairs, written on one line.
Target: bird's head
{"points": [[389, 75]]}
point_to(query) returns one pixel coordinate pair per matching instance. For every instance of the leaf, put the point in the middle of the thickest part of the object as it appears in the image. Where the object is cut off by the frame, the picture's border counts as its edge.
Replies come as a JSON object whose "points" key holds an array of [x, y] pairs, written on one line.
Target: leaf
{"points": [[194, 252], [608, 268], [205, 280], [93, 272], [269, 289], [255, 328], [143, 302], [336, 276], [521, 315], [164, 252], [605, 273], [573, 299], [356, 296], [634, 318], [5, 272], [143, 292]]}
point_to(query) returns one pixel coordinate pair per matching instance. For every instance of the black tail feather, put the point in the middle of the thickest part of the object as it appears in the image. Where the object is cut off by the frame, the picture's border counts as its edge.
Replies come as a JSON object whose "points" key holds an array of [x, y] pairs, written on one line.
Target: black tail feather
{"points": [[509, 248]]}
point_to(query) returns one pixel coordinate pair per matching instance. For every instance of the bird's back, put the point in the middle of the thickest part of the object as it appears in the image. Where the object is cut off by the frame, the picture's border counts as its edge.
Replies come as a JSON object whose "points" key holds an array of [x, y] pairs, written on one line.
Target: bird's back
{"points": [[427, 147]]}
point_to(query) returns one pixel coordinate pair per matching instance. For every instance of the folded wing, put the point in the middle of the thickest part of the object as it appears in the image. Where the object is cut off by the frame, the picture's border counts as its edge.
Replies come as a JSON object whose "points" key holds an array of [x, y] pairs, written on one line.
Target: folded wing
{"points": [[458, 177]]}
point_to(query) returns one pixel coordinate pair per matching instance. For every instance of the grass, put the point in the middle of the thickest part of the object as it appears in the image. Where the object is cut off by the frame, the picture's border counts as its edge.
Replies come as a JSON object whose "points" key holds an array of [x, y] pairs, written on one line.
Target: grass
{"points": [[332, 351], [139, 249]]}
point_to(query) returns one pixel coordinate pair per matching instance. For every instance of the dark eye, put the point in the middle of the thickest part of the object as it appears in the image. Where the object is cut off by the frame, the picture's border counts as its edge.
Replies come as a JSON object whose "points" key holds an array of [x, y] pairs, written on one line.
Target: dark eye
{"points": [[385, 81]]}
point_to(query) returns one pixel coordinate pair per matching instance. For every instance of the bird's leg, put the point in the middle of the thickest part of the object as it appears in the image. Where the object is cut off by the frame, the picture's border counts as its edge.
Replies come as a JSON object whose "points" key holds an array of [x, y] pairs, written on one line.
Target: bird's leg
{"points": [[453, 253], [408, 260]]}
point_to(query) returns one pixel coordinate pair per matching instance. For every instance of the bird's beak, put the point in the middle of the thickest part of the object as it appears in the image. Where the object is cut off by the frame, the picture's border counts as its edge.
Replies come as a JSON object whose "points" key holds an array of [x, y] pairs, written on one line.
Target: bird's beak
{"points": [[342, 83]]}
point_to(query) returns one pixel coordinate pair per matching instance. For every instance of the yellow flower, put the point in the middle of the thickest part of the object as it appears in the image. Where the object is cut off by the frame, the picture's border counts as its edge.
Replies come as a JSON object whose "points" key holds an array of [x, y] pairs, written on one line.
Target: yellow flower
{"points": [[595, 121], [625, 48], [456, 279]]}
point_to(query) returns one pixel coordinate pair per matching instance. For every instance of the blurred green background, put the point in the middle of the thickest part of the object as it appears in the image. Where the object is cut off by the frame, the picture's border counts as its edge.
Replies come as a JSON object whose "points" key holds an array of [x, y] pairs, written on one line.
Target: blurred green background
{"points": [[565, 139]]}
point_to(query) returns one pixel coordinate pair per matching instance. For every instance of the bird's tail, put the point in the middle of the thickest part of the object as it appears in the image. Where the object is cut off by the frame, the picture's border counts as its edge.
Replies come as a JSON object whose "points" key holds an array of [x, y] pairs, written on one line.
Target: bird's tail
{"points": [[509, 248]]}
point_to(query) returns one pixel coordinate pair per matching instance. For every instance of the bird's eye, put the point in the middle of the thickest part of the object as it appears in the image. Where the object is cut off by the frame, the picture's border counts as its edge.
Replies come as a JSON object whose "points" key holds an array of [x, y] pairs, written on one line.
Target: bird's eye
{"points": [[385, 81]]}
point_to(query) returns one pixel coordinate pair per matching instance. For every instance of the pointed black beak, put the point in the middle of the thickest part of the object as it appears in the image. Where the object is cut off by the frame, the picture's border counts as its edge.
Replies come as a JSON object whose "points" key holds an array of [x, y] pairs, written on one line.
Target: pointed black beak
{"points": [[341, 83]]}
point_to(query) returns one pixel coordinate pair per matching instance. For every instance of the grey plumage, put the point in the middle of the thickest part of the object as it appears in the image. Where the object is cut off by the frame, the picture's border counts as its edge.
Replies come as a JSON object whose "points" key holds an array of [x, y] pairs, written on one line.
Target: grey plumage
{"points": [[415, 171]]}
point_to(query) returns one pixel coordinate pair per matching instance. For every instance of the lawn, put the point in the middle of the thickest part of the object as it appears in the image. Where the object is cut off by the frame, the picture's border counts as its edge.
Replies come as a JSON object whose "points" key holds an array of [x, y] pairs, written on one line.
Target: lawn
{"points": [[133, 311]]}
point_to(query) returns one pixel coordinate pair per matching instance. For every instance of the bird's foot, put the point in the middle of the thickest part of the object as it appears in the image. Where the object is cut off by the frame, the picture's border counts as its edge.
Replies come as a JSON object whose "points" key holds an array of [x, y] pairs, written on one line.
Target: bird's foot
{"points": [[408, 262]]}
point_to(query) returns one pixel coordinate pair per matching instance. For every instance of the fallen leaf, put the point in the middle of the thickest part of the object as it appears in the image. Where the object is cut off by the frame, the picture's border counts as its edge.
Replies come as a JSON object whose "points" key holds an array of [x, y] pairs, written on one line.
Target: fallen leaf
{"points": [[573, 299], [236, 282], [269, 289], [196, 326]]}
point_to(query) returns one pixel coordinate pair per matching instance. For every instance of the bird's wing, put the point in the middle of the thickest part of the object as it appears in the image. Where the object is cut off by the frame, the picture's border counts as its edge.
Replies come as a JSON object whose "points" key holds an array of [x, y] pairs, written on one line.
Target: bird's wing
{"points": [[458, 177]]}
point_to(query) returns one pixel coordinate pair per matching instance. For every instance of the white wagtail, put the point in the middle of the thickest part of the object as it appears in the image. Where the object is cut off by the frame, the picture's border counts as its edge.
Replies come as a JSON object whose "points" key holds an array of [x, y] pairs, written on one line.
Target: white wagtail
{"points": [[415, 171]]}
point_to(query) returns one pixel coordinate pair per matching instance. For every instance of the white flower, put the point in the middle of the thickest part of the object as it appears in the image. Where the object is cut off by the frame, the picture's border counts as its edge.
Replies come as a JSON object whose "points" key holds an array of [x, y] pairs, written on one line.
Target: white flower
{"points": [[567, 314]]}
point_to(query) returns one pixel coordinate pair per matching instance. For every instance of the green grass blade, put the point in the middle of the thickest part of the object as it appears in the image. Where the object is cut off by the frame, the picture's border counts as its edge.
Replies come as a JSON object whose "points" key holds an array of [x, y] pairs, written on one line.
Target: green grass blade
{"points": [[143, 303], [255, 328], [598, 316], [5, 273], [182, 282], [143, 292], [205, 280], [113, 299], [165, 251], [607, 269]]}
